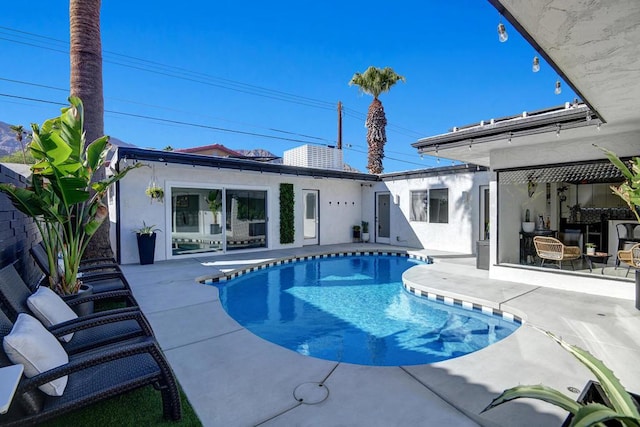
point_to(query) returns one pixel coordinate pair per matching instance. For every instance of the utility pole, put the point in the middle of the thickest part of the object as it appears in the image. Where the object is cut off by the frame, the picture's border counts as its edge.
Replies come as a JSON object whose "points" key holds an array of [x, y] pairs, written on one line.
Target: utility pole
{"points": [[339, 142]]}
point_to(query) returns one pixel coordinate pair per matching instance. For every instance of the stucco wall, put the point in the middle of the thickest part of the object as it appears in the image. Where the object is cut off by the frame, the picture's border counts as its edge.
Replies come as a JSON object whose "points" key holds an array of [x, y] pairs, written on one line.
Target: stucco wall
{"points": [[462, 230], [340, 203]]}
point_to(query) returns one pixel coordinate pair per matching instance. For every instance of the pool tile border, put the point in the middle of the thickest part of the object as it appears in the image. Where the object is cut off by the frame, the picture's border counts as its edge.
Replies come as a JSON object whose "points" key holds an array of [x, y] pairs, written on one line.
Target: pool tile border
{"points": [[237, 273], [466, 305]]}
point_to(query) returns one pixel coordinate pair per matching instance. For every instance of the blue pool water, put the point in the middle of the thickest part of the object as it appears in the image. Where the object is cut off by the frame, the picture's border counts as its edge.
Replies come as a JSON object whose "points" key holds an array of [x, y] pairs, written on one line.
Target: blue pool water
{"points": [[354, 309]]}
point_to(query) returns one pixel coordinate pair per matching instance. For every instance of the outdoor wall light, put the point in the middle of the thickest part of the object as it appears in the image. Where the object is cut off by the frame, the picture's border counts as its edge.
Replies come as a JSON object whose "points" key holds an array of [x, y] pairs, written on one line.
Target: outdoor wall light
{"points": [[535, 67], [502, 33], [558, 90]]}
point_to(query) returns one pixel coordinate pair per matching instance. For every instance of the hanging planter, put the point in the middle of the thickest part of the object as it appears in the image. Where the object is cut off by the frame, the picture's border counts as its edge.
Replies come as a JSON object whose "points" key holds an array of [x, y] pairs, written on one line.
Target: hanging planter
{"points": [[155, 193], [154, 190]]}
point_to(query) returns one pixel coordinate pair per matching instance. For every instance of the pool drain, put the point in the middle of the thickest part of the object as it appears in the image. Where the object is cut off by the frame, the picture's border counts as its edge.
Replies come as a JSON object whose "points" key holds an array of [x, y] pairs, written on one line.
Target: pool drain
{"points": [[311, 393]]}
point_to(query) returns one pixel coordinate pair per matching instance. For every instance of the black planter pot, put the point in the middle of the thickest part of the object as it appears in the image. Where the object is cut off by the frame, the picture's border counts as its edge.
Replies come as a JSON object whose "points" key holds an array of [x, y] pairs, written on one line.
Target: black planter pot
{"points": [[146, 247], [84, 308], [593, 393]]}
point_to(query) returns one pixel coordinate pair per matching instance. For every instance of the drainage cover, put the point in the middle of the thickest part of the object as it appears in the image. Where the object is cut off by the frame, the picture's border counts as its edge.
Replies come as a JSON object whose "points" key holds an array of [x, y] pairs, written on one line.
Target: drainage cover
{"points": [[311, 393]]}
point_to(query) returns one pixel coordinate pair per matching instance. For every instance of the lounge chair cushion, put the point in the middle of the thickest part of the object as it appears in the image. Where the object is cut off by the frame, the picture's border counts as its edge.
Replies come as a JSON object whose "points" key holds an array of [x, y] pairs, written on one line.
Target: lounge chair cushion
{"points": [[30, 344], [50, 309]]}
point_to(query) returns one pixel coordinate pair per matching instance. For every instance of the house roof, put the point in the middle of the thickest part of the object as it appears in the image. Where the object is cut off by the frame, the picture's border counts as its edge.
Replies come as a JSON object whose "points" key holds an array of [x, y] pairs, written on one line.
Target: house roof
{"points": [[218, 147], [474, 143], [140, 154]]}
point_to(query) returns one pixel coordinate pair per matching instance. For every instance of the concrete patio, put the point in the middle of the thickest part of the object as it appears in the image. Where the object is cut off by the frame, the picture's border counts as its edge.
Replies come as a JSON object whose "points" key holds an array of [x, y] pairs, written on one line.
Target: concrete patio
{"points": [[234, 378]]}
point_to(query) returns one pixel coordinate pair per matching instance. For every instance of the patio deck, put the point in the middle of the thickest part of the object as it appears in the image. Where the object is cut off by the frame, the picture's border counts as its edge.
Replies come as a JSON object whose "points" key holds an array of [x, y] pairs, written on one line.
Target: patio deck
{"points": [[234, 378]]}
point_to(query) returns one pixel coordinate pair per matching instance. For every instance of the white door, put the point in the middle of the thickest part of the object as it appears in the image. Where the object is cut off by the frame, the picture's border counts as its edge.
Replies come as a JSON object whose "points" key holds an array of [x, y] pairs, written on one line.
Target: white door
{"points": [[311, 221], [383, 217]]}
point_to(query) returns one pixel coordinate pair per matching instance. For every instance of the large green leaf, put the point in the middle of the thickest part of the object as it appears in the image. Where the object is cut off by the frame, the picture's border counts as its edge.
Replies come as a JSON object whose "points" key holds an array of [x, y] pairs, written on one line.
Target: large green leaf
{"points": [[540, 392], [26, 201], [620, 399], [613, 158], [595, 413], [97, 152]]}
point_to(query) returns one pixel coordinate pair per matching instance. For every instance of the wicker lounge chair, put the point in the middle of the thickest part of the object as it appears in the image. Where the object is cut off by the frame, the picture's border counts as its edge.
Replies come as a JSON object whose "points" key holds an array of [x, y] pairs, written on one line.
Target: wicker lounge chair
{"points": [[104, 277], [631, 257], [92, 376], [549, 248], [110, 326]]}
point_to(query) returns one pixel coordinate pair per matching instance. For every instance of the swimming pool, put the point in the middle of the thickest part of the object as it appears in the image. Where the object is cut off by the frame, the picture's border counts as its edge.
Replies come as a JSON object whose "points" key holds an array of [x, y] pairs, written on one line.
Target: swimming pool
{"points": [[354, 309]]}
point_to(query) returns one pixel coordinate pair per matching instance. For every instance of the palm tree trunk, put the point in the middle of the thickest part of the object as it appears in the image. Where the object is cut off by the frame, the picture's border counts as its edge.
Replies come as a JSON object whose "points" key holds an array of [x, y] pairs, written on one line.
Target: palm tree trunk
{"points": [[376, 136], [86, 83]]}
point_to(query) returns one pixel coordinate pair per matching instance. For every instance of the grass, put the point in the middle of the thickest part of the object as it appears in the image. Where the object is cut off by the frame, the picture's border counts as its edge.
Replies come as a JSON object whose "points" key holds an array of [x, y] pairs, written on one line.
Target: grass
{"points": [[141, 407]]}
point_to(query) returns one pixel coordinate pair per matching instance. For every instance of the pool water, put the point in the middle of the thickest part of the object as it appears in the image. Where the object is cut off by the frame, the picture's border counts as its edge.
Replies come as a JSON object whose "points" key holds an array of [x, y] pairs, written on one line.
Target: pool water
{"points": [[354, 309]]}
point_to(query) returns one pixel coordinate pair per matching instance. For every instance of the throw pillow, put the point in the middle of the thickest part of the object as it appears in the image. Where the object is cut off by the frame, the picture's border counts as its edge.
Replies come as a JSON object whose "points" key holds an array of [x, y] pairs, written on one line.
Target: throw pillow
{"points": [[30, 344], [50, 309]]}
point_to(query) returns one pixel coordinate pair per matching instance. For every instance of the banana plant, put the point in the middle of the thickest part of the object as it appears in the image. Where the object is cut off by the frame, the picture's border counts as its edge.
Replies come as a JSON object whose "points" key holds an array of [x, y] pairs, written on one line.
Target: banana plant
{"points": [[622, 408], [629, 190], [62, 198]]}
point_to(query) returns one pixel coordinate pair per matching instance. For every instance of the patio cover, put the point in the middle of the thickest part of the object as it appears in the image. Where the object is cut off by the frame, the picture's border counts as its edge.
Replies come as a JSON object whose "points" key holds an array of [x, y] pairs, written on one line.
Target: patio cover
{"points": [[580, 173]]}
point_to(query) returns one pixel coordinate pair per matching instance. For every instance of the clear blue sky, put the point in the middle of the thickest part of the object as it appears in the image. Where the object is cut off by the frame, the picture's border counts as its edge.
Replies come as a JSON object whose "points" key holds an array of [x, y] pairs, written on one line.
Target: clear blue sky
{"points": [[457, 72]]}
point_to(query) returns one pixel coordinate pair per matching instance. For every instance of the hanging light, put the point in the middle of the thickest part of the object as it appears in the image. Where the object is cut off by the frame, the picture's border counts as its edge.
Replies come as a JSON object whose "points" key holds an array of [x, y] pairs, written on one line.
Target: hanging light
{"points": [[558, 89], [502, 33], [535, 67], [510, 136], [558, 130]]}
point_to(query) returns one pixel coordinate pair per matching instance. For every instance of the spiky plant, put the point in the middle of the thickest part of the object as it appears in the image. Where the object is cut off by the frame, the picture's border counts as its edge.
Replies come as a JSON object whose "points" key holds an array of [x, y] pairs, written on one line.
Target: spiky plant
{"points": [[623, 408], [375, 81]]}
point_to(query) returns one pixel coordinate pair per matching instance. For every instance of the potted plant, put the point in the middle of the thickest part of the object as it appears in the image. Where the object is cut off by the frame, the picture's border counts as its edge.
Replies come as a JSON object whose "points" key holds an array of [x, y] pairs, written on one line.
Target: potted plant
{"points": [[63, 199], [155, 192], [615, 403], [365, 231], [356, 233], [591, 248], [146, 242]]}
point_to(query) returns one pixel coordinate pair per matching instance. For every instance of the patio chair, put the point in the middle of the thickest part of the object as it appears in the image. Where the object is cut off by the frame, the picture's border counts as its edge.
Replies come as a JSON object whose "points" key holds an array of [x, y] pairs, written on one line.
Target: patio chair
{"points": [[105, 278], [91, 376], [109, 326], [549, 248], [631, 257]]}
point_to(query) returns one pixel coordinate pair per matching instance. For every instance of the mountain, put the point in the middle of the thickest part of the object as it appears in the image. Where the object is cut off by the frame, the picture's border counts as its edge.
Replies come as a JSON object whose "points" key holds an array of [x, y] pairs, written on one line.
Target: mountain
{"points": [[260, 153], [8, 141]]}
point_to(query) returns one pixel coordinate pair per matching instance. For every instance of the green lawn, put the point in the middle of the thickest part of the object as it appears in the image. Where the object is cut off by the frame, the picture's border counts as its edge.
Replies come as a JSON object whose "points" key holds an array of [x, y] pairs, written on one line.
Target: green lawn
{"points": [[142, 407]]}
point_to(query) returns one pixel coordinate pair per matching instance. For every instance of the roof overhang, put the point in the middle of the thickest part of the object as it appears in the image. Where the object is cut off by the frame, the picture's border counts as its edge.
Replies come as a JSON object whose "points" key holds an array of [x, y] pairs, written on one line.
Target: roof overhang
{"points": [[592, 45], [140, 154], [473, 144]]}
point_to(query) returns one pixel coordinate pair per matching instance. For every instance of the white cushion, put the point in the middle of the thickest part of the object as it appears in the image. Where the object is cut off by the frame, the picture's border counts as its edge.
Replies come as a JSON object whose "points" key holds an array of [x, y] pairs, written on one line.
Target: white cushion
{"points": [[31, 345], [50, 309]]}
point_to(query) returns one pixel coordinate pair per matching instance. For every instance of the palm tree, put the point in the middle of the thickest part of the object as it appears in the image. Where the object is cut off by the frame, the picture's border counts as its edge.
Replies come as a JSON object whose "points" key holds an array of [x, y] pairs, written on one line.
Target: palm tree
{"points": [[374, 82], [86, 84], [19, 131]]}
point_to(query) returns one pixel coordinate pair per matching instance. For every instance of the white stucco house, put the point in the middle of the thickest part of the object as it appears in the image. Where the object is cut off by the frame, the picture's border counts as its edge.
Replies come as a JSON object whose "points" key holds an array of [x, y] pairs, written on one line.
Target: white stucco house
{"points": [[214, 205]]}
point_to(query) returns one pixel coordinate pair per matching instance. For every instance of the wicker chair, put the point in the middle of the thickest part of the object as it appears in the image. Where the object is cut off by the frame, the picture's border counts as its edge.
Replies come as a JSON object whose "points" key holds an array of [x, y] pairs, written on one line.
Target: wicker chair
{"points": [[108, 326], [549, 248], [93, 376], [631, 257], [102, 276]]}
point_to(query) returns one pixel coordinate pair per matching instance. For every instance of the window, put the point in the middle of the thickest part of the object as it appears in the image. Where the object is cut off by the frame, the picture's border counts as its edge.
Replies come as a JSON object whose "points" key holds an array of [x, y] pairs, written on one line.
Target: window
{"points": [[419, 204], [439, 205]]}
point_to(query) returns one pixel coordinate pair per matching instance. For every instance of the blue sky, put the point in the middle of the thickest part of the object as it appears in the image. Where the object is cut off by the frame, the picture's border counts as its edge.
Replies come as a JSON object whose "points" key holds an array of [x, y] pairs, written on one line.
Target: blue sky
{"points": [[230, 64]]}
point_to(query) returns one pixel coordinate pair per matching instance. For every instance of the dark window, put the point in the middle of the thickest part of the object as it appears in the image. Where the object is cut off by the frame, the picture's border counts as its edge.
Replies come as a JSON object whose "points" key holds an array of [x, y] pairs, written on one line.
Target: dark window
{"points": [[419, 204], [439, 205]]}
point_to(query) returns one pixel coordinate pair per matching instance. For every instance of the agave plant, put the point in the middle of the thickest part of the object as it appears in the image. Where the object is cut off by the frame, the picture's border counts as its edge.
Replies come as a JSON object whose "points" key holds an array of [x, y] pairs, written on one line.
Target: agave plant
{"points": [[65, 203], [623, 408]]}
